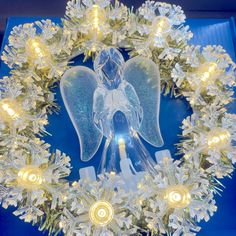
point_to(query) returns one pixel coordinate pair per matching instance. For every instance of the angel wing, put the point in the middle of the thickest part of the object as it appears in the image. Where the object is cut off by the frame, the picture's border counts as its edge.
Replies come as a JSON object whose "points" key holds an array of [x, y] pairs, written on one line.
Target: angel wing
{"points": [[143, 74], [77, 89]]}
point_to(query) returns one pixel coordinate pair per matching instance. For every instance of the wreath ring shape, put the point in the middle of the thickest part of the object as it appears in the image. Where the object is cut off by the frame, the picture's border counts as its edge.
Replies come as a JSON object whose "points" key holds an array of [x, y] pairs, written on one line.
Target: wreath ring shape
{"points": [[182, 192]]}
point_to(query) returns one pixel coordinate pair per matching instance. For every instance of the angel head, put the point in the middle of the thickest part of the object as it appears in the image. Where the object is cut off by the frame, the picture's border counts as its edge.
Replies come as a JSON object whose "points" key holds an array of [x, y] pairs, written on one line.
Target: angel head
{"points": [[109, 65]]}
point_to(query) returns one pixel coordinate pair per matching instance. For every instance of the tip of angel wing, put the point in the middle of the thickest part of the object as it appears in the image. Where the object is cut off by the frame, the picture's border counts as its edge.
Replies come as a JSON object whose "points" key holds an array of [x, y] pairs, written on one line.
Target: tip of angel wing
{"points": [[155, 140], [86, 154]]}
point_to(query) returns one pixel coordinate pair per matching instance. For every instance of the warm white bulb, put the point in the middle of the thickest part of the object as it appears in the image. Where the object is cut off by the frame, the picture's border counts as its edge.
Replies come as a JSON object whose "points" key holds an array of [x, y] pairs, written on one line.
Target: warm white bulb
{"points": [[206, 74], [96, 17], [61, 225], [161, 25], [30, 177], [122, 148], [218, 138], [9, 110], [150, 225], [36, 49], [121, 141], [207, 71], [101, 213], [177, 196]]}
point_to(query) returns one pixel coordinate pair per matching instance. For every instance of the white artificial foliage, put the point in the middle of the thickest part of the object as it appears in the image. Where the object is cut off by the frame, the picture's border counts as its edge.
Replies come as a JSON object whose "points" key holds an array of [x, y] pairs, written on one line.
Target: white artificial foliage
{"points": [[59, 205], [180, 220], [16, 54], [147, 14], [75, 220], [79, 21]]}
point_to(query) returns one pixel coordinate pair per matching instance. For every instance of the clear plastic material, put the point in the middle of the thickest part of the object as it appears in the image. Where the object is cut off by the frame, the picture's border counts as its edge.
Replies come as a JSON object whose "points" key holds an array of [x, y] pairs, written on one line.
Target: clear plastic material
{"points": [[77, 88], [119, 101], [125, 154], [144, 76], [114, 93]]}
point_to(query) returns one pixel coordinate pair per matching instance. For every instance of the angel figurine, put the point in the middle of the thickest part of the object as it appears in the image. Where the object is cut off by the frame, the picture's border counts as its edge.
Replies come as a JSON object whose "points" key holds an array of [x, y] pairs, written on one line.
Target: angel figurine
{"points": [[119, 101]]}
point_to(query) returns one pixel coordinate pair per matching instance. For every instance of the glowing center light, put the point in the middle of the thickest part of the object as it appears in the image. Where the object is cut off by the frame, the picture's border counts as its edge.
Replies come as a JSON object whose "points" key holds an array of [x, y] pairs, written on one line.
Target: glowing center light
{"points": [[150, 225], [36, 49], [61, 225], [177, 196], [101, 213], [121, 145], [207, 72], [9, 110], [121, 142], [95, 17], [30, 177], [161, 25], [218, 138]]}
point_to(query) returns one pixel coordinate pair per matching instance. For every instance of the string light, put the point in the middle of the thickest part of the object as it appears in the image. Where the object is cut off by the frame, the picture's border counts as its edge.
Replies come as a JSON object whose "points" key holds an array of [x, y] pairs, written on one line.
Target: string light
{"points": [[38, 50], [140, 201], [121, 146], [93, 48], [161, 25], [64, 198], [177, 196], [30, 177], [139, 185], [113, 173], [150, 225], [207, 72], [61, 225], [10, 110], [95, 17], [101, 213], [218, 138]]}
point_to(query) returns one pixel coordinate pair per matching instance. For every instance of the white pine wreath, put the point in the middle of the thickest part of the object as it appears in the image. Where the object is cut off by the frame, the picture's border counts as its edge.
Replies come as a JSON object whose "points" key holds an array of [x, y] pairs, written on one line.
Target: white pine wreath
{"points": [[182, 194]]}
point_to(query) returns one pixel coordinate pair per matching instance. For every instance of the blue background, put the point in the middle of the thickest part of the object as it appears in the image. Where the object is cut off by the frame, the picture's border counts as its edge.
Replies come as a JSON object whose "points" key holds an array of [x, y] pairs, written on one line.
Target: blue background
{"points": [[172, 112]]}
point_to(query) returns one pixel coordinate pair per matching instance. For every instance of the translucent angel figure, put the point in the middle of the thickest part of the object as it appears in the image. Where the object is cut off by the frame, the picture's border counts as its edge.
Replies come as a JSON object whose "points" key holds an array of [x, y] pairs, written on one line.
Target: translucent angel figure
{"points": [[114, 93], [93, 99]]}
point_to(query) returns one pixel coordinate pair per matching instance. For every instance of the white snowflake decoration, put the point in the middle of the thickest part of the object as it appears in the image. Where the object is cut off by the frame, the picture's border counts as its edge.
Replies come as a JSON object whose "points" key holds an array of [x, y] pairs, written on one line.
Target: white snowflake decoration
{"points": [[181, 194]]}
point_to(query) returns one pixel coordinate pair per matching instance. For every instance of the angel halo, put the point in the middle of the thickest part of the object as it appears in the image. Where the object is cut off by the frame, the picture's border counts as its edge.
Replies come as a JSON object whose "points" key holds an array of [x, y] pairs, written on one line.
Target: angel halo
{"points": [[129, 90]]}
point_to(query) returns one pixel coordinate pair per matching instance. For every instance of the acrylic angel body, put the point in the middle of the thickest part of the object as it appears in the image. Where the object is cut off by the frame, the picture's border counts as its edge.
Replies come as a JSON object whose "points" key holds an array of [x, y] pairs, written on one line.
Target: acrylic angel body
{"points": [[114, 94], [117, 89]]}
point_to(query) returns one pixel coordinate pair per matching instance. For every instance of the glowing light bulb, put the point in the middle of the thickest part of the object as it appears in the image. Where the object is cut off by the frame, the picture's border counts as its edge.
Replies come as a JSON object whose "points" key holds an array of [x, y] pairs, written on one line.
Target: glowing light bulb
{"points": [[218, 138], [64, 198], [207, 72], [10, 110], [36, 49], [122, 151], [95, 17], [150, 226], [177, 196], [61, 225], [161, 25], [140, 201], [121, 141], [30, 177], [101, 213], [93, 48], [113, 173], [139, 185]]}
